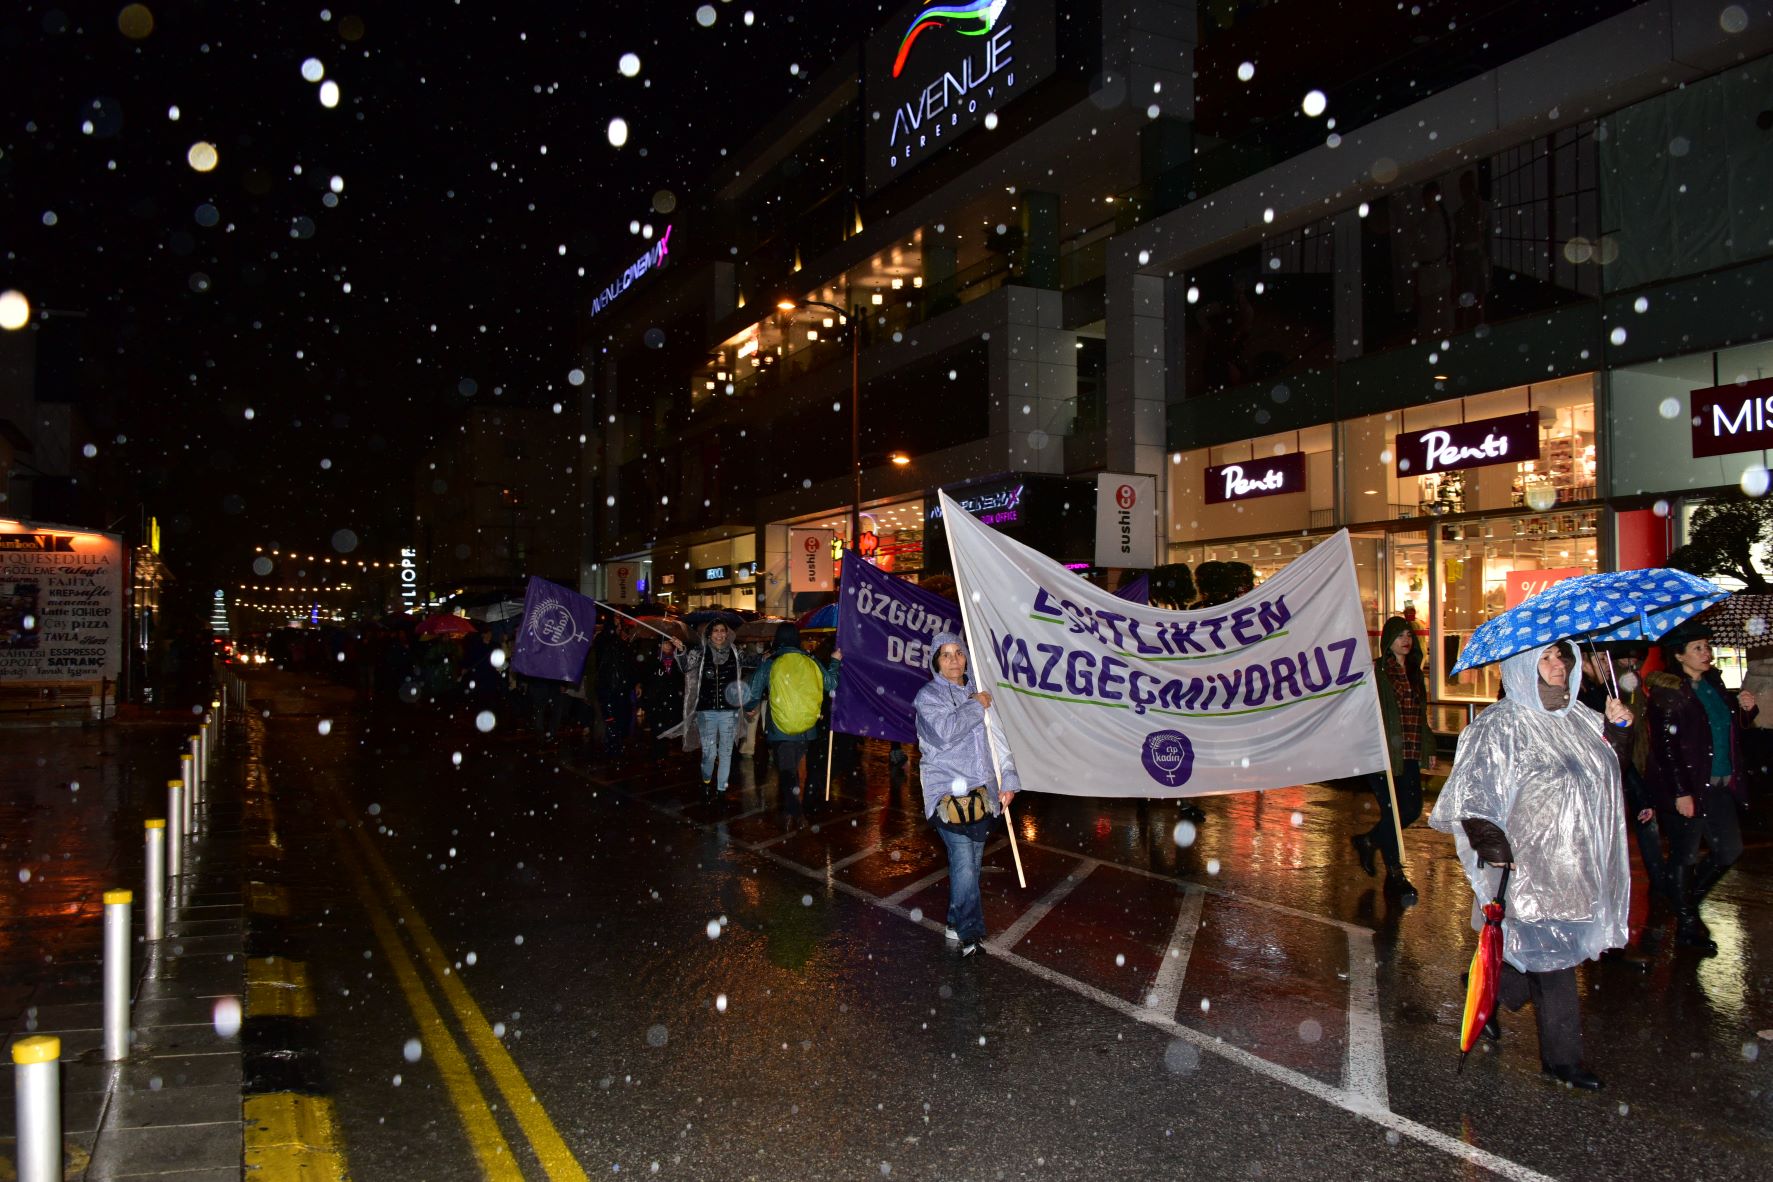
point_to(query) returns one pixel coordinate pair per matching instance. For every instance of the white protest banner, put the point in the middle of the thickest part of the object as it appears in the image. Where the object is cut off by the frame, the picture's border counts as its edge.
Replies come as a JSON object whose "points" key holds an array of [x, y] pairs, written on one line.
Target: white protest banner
{"points": [[809, 560], [1097, 696], [1126, 520]]}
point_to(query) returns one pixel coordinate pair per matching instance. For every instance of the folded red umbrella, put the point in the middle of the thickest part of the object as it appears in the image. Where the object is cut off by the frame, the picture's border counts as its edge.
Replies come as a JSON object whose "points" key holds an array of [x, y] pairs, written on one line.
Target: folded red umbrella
{"points": [[1486, 971]]}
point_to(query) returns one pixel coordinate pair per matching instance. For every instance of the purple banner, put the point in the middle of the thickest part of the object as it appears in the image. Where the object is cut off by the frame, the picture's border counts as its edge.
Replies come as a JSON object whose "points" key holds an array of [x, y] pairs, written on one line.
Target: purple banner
{"points": [[556, 633], [1137, 591], [884, 629]]}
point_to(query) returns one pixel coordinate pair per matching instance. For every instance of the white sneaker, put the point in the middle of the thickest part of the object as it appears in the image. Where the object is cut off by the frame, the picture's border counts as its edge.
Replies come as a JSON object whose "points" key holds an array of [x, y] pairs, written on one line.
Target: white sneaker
{"points": [[969, 948], [950, 935]]}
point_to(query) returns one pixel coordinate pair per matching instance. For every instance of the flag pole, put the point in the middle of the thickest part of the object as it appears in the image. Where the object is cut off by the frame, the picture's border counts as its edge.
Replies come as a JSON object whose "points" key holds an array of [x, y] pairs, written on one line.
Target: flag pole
{"points": [[1397, 822], [618, 611], [966, 625], [830, 738]]}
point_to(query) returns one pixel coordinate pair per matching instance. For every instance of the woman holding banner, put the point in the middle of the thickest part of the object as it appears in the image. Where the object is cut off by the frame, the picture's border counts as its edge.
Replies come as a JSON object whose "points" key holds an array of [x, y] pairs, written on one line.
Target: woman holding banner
{"points": [[961, 790]]}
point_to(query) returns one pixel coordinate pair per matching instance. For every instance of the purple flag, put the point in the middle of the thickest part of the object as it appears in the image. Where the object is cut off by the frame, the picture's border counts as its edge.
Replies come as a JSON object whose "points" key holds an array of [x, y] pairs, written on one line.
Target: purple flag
{"points": [[884, 629], [1137, 591], [556, 632]]}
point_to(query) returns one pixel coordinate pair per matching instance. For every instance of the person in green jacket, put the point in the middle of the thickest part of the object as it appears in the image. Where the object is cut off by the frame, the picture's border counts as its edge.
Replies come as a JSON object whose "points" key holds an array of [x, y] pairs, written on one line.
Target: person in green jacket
{"points": [[1403, 703]]}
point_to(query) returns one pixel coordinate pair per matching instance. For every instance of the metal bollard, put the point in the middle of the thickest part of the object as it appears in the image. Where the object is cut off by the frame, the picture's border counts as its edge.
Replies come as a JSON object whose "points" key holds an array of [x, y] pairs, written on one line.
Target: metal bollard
{"points": [[175, 828], [197, 765], [188, 769], [203, 747], [117, 977], [154, 904], [37, 1080]]}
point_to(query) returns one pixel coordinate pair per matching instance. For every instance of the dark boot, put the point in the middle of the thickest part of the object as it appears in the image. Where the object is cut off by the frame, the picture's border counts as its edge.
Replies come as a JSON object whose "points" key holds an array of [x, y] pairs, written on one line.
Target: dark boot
{"points": [[1702, 877], [1689, 932], [1366, 849], [1398, 887]]}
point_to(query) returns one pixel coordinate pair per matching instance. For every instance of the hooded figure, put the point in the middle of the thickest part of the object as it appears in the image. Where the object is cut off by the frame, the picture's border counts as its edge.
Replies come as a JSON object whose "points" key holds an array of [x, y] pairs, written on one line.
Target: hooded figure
{"points": [[1535, 783], [954, 741], [1549, 781]]}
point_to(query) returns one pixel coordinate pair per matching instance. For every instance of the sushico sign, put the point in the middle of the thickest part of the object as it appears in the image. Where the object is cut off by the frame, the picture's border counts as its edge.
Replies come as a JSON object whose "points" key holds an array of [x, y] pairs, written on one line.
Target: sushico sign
{"points": [[939, 68], [810, 565], [1733, 418], [652, 260], [1126, 520]]}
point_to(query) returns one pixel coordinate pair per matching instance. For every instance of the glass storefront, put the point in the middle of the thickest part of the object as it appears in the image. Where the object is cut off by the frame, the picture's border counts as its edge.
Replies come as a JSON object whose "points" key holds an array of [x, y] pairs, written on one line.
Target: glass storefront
{"points": [[1457, 510]]}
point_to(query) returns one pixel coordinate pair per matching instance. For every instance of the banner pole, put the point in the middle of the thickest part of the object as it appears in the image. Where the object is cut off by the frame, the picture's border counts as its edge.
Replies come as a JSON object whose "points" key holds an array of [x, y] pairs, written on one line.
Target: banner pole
{"points": [[966, 625], [830, 738], [1397, 823], [618, 611]]}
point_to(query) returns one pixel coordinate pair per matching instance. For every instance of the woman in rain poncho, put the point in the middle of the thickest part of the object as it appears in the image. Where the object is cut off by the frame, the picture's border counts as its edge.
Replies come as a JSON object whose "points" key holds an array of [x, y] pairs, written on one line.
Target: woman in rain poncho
{"points": [[1535, 783]]}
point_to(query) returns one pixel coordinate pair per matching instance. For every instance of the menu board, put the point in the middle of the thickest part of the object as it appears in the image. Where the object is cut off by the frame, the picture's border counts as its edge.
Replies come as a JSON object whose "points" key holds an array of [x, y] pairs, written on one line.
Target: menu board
{"points": [[61, 604]]}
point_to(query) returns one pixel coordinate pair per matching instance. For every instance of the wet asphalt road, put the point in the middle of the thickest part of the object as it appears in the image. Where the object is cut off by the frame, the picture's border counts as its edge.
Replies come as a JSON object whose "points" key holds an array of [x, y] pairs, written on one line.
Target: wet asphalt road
{"points": [[604, 976]]}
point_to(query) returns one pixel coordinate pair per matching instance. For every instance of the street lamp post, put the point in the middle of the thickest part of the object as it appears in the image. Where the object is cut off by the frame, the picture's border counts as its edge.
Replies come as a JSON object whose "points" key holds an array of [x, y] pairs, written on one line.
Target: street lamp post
{"points": [[853, 321]]}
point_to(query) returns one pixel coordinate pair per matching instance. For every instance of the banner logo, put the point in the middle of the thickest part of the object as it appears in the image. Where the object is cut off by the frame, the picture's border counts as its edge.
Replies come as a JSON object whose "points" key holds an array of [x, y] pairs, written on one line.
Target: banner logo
{"points": [[982, 14], [1169, 757], [1125, 497]]}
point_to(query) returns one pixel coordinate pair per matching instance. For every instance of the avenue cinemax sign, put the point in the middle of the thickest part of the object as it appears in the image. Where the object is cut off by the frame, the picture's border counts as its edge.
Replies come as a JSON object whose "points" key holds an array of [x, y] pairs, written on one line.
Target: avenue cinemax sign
{"points": [[936, 70], [652, 260]]}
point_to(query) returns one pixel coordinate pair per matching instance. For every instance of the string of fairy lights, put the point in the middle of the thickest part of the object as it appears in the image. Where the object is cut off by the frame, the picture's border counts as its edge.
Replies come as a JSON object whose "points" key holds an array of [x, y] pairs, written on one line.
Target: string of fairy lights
{"points": [[329, 560]]}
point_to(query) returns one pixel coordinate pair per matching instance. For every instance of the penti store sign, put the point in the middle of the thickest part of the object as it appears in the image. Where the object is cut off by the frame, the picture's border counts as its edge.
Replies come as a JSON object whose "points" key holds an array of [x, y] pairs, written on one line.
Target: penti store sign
{"points": [[1506, 440], [939, 69]]}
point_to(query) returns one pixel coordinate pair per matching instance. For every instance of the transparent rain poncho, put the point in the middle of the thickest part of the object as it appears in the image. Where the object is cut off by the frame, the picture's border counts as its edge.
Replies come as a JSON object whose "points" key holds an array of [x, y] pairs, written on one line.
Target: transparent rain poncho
{"points": [[1550, 782]]}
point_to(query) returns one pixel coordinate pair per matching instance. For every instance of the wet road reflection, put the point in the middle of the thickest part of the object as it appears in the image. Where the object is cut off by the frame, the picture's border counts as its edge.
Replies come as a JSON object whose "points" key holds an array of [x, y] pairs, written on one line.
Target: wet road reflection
{"points": [[694, 983]]}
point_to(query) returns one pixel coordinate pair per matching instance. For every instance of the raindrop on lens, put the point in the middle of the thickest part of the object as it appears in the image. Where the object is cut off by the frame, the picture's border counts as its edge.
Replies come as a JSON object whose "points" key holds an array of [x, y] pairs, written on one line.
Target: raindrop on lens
{"points": [[329, 94], [713, 929], [1213, 866], [1185, 833], [1617, 336], [412, 1050], [629, 65], [1246, 71], [325, 726], [1669, 408], [226, 1016], [618, 132], [484, 721], [720, 1003], [1314, 103], [1754, 481], [312, 70], [991, 121], [456, 758]]}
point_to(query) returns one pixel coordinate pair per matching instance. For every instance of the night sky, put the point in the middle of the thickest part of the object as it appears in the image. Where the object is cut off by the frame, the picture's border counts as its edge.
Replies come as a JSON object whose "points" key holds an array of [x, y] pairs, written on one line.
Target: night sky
{"points": [[476, 179]]}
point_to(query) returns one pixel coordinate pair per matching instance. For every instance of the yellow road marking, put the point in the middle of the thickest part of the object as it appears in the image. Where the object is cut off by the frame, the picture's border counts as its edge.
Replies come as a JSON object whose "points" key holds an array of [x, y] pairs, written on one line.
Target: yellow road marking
{"points": [[544, 1138], [266, 899], [276, 987], [293, 1138], [488, 1143]]}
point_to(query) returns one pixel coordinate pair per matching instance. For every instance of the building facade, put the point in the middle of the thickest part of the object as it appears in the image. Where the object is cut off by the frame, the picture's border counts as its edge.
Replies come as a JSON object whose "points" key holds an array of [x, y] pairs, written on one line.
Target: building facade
{"points": [[1477, 287]]}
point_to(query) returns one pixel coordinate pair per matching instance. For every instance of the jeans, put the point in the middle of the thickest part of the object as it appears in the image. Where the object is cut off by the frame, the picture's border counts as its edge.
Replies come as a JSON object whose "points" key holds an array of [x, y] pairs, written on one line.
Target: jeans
{"points": [[966, 850], [717, 728], [1407, 776], [789, 753]]}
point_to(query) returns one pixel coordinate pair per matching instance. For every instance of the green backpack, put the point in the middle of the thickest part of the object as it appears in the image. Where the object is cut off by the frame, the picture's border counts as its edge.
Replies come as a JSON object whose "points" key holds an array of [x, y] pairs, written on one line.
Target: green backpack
{"points": [[797, 690]]}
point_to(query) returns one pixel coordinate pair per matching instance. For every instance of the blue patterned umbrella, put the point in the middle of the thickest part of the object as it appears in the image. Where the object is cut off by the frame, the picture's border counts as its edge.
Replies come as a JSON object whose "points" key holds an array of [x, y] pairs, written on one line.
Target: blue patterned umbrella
{"points": [[1613, 605]]}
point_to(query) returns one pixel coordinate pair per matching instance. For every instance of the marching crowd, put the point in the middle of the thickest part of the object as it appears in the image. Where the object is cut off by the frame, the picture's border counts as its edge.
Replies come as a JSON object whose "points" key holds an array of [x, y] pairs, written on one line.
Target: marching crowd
{"points": [[1584, 747]]}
